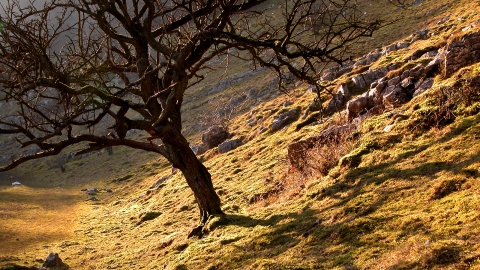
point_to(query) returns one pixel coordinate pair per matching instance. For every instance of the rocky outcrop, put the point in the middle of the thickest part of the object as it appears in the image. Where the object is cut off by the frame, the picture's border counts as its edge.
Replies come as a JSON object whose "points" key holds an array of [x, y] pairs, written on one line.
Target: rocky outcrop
{"points": [[389, 93], [461, 53]]}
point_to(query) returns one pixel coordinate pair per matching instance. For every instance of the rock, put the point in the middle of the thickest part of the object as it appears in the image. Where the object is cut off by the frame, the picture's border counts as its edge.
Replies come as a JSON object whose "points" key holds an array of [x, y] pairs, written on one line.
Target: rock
{"points": [[313, 107], [402, 45], [338, 100], [430, 54], [462, 53], [372, 57], [93, 198], [234, 103], [433, 65], [262, 129], [92, 191], [252, 122], [389, 49], [287, 103], [16, 183], [53, 260], [444, 20], [395, 96], [356, 106], [199, 149], [415, 72], [408, 84], [394, 81], [297, 152], [388, 128], [423, 86], [229, 145], [284, 119], [160, 181], [368, 77], [214, 136], [359, 81]]}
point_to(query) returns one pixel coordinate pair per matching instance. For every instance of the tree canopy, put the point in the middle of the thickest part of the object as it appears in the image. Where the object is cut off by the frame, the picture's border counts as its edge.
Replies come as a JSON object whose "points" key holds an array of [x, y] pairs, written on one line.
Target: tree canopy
{"points": [[69, 65]]}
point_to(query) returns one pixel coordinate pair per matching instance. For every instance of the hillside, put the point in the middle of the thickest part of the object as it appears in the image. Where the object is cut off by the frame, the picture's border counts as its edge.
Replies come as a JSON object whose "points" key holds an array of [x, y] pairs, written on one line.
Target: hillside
{"points": [[399, 189]]}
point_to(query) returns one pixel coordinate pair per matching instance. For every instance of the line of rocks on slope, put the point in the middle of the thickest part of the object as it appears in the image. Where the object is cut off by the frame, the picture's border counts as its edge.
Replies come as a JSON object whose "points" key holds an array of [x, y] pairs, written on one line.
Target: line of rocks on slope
{"points": [[385, 94], [365, 79], [391, 93]]}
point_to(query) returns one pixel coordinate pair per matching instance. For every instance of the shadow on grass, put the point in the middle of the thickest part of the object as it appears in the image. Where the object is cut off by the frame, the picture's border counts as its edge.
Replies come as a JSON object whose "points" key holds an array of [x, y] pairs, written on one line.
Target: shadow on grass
{"points": [[311, 242]]}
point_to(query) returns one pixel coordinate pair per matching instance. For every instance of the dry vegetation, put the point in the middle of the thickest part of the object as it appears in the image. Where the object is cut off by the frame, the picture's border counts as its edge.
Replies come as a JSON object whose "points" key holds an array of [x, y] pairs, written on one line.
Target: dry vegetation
{"points": [[406, 199]]}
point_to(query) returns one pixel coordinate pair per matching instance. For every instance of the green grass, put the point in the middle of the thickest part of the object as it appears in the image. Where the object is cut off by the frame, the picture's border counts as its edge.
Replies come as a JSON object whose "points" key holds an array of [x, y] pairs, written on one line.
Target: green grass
{"points": [[406, 199]]}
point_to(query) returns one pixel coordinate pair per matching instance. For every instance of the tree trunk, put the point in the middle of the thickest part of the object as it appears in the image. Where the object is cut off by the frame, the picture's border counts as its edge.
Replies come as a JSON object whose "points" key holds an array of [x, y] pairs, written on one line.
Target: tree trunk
{"points": [[200, 181], [196, 174]]}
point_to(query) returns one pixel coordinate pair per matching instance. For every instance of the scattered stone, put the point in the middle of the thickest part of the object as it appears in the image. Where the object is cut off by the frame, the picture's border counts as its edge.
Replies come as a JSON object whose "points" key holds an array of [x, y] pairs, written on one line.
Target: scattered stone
{"points": [[262, 129], [284, 119], [199, 149], [16, 183], [53, 260], [92, 191], [444, 20], [402, 45], [93, 198], [229, 145], [287, 103], [252, 122], [388, 128]]}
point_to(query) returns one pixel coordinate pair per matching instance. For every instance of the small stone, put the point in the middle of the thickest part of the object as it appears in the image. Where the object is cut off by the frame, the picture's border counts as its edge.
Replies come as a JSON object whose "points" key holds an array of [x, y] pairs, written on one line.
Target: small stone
{"points": [[287, 103], [53, 260], [16, 183], [388, 128]]}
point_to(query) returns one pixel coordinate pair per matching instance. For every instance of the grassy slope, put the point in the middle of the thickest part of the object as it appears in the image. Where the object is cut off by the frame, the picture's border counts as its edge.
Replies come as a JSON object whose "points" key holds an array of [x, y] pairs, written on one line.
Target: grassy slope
{"points": [[381, 214]]}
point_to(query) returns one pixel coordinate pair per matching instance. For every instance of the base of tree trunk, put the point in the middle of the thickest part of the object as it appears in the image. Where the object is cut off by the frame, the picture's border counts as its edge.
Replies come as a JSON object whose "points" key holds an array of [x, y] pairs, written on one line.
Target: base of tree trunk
{"points": [[213, 222]]}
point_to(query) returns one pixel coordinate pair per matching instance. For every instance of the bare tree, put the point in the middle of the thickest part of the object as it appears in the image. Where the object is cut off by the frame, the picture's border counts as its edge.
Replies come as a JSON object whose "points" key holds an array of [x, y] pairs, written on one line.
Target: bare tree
{"points": [[73, 64]]}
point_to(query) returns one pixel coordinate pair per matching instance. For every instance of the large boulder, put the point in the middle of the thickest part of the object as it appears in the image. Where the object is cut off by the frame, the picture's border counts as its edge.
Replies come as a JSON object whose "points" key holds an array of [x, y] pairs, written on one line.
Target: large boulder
{"points": [[214, 136], [356, 106], [284, 119]]}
